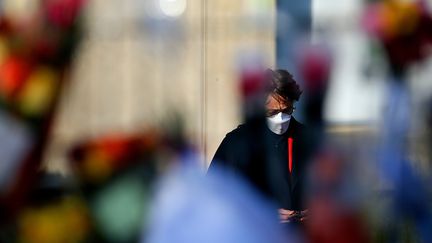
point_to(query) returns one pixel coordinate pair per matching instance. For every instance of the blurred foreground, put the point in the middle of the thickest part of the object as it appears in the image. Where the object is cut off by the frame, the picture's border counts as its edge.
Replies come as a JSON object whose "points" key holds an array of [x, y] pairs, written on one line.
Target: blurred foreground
{"points": [[368, 181]]}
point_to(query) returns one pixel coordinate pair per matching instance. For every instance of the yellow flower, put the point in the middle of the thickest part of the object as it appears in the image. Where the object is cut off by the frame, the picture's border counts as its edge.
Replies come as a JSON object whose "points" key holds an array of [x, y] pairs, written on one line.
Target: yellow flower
{"points": [[37, 95]]}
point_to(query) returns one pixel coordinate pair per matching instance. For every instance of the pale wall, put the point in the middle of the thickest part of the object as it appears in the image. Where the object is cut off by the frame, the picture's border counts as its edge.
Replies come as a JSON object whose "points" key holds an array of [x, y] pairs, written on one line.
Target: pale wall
{"points": [[129, 75]]}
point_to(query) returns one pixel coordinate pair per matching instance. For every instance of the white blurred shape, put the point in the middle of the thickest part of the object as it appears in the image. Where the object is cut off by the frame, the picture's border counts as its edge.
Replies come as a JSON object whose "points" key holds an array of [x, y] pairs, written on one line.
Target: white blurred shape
{"points": [[172, 8], [334, 9]]}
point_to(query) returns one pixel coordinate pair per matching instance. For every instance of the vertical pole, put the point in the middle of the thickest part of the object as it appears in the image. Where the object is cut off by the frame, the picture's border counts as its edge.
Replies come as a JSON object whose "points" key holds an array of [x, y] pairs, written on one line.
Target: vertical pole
{"points": [[203, 81]]}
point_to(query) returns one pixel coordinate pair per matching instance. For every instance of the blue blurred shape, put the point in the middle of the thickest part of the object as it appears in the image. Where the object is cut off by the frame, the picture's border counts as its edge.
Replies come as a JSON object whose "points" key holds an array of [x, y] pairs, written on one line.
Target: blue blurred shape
{"points": [[217, 208]]}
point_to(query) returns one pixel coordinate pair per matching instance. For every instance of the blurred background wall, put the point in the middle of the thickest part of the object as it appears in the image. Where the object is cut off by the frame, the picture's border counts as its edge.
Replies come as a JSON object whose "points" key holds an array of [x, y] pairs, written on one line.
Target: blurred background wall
{"points": [[142, 61]]}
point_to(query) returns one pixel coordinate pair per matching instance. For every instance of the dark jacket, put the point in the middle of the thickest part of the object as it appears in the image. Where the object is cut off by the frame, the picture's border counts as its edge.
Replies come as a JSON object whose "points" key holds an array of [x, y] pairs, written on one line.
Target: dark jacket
{"points": [[261, 157]]}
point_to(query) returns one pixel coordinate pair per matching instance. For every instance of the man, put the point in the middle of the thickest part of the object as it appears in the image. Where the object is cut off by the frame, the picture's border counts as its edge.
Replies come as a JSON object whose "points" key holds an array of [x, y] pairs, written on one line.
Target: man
{"points": [[271, 152]]}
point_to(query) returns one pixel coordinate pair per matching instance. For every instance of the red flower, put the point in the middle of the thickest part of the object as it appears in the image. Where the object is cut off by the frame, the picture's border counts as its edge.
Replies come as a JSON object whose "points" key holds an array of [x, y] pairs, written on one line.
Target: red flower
{"points": [[13, 73], [63, 13]]}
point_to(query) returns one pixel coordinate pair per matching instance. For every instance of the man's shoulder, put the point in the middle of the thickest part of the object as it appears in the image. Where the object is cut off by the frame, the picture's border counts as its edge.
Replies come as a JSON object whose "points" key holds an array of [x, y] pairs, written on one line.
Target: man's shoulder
{"points": [[297, 129], [239, 131], [297, 124]]}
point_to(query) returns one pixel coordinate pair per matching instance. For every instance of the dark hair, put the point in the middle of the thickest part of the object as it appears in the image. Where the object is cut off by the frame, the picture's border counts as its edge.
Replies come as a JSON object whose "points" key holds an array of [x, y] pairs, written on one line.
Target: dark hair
{"points": [[283, 84]]}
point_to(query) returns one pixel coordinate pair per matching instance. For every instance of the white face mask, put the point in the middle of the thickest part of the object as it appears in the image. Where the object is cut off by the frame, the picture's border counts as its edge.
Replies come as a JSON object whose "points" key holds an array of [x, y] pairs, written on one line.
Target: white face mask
{"points": [[279, 123]]}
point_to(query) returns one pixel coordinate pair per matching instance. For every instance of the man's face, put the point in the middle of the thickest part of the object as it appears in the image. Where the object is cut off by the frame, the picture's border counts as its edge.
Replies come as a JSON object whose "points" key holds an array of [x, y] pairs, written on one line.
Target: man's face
{"points": [[275, 104]]}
